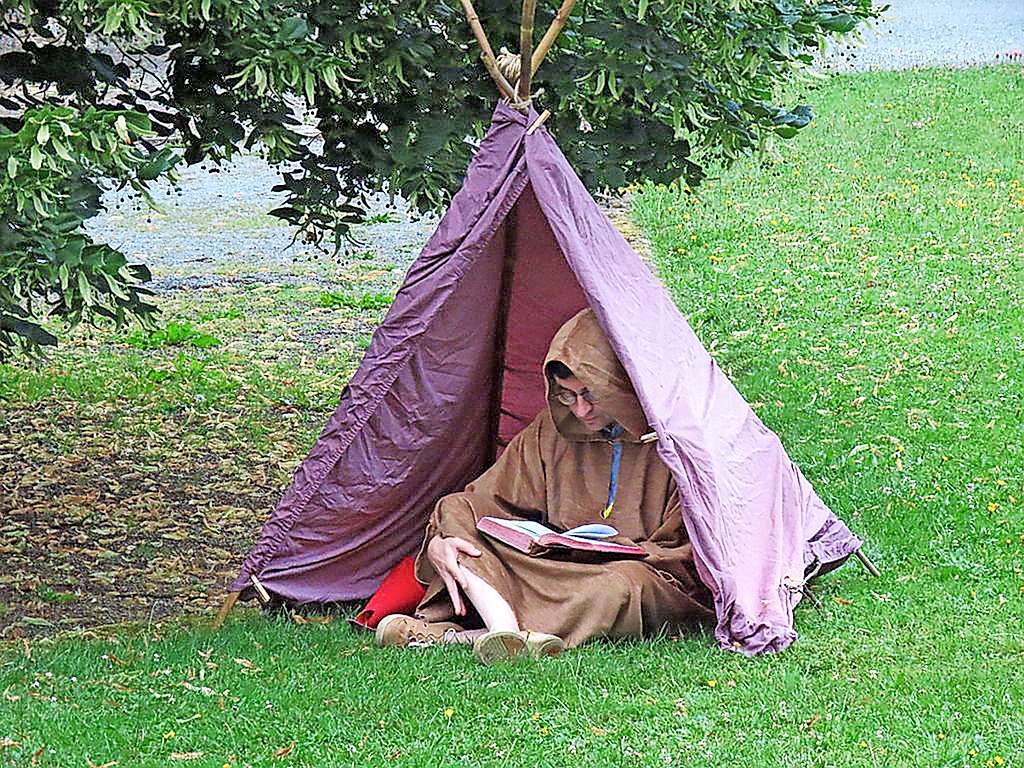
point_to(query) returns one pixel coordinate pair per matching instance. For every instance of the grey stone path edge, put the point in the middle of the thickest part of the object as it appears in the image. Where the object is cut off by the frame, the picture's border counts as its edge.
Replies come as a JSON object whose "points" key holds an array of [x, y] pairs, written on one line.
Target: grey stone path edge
{"points": [[216, 230]]}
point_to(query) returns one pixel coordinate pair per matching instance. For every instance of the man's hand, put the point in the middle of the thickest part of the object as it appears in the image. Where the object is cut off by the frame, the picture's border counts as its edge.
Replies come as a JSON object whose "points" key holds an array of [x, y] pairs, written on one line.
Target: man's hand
{"points": [[443, 553]]}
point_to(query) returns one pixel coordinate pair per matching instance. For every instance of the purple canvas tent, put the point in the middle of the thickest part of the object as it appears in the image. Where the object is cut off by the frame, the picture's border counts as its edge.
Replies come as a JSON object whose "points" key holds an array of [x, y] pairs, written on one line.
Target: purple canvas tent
{"points": [[454, 372]]}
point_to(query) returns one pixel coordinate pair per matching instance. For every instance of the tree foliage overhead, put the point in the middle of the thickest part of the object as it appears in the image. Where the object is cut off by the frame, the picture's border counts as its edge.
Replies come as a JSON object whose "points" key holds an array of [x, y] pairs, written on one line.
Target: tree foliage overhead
{"points": [[348, 98]]}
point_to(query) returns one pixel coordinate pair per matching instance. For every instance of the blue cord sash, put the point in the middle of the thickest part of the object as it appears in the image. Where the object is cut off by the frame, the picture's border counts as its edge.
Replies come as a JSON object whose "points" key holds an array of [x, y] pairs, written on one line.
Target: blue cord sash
{"points": [[614, 432]]}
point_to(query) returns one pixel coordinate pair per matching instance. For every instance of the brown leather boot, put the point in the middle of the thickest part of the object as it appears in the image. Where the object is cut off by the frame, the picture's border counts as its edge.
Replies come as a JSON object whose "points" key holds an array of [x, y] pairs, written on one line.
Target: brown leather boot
{"points": [[541, 645], [498, 646], [408, 631]]}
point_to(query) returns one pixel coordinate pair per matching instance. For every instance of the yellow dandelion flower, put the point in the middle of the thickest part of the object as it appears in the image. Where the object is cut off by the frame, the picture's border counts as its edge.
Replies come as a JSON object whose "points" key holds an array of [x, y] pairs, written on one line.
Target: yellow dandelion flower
{"points": [[449, 712], [712, 683]]}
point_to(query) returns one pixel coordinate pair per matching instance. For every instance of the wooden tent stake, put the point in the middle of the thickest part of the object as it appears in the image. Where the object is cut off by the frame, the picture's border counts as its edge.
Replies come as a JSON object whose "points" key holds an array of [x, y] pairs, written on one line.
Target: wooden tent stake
{"points": [[225, 609], [538, 123], [866, 562], [486, 52], [526, 49], [549, 37]]}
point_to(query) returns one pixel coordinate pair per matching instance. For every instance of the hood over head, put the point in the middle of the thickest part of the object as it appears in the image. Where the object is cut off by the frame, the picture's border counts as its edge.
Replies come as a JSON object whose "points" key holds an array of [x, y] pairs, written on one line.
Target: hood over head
{"points": [[582, 346]]}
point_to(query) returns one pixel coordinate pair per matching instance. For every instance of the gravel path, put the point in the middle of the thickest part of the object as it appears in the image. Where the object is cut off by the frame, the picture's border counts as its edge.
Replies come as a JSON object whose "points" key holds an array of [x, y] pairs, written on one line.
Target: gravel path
{"points": [[922, 33], [218, 232]]}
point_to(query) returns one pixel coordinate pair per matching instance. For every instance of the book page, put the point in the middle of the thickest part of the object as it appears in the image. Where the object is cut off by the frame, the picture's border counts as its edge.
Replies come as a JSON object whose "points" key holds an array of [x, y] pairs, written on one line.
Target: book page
{"points": [[531, 528], [591, 531]]}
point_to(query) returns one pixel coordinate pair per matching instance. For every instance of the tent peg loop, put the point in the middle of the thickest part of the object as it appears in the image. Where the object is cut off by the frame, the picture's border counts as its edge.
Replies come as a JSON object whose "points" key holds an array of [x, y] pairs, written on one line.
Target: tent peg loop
{"points": [[261, 591]]}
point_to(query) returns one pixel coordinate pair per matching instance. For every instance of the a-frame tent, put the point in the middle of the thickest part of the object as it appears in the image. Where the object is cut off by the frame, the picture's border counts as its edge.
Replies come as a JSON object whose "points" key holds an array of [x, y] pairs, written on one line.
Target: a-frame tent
{"points": [[454, 372]]}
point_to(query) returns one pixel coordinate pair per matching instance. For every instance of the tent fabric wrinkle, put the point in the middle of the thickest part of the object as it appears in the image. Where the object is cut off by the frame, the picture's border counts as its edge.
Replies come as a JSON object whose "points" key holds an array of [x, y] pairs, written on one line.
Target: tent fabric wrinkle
{"points": [[417, 422]]}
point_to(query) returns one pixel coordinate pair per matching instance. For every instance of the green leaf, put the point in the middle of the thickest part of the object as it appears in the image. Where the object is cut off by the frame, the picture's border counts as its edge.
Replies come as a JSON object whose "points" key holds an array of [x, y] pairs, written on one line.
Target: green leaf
{"points": [[43, 134], [35, 157], [12, 166], [838, 22], [330, 79], [61, 150], [139, 121], [112, 19], [613, 87], [121, 126], [310, 94], [115, 287], [292, 29], [84, 288], [71, 254], [160, 163]]}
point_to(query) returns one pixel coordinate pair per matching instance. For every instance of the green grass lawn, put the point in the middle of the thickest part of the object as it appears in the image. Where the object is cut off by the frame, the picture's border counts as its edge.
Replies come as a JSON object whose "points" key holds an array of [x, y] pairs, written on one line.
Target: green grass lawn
{"points": [[864, 293]]}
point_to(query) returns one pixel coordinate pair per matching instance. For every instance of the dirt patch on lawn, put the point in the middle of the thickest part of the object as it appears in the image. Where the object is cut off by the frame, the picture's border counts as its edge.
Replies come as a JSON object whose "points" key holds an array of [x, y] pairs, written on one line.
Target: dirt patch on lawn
{"points": [[98, 526]]}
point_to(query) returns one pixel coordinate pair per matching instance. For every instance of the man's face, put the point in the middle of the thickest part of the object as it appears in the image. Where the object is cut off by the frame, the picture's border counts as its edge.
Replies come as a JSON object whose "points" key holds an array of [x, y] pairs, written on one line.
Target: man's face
{"points": [[590, 414]]}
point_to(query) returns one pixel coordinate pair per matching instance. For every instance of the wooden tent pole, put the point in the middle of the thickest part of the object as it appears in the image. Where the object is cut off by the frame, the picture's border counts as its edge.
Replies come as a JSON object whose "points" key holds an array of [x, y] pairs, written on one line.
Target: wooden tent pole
{"points": [[866, 562], [225, 609], [486, 52], [526, 48], [549, 37]]}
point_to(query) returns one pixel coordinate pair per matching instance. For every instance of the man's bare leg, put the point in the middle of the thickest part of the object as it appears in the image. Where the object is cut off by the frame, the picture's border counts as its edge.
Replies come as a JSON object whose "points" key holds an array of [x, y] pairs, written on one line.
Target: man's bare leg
{"points": [[496, 613], [468, 636]]}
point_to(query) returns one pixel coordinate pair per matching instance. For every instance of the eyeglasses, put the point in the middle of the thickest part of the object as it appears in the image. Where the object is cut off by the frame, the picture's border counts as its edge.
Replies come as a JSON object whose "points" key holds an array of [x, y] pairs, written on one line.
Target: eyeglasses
{"points": [[568, 397]]}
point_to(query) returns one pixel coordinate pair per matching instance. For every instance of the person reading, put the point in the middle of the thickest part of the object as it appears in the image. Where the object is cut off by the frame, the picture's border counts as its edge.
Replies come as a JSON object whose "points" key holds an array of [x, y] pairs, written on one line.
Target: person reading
{"points": [[580, 461]]}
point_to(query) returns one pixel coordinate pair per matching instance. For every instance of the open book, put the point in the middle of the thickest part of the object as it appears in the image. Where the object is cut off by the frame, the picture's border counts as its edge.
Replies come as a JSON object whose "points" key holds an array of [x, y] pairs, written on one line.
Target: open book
{"points": [[536, 539]]}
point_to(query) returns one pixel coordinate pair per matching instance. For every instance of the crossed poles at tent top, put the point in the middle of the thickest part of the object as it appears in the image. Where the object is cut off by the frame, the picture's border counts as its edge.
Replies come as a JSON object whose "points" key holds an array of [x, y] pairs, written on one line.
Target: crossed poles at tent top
{"points": [[529, 59]]}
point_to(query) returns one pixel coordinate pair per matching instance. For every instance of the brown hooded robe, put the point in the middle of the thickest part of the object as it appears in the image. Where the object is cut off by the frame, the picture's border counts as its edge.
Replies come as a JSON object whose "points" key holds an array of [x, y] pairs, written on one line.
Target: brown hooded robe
{"points": [[556, 472]]}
